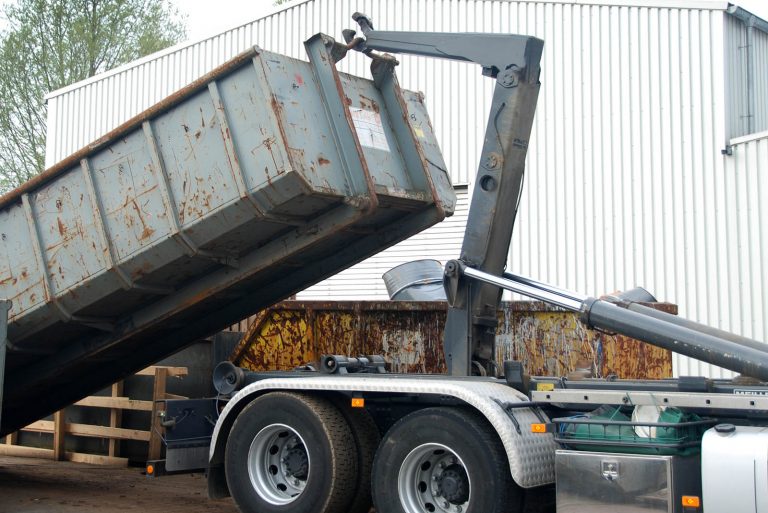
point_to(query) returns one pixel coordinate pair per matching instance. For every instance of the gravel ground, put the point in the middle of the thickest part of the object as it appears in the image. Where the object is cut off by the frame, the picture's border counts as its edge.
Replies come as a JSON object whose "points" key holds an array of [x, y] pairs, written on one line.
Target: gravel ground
{"points": [[43, 486]]}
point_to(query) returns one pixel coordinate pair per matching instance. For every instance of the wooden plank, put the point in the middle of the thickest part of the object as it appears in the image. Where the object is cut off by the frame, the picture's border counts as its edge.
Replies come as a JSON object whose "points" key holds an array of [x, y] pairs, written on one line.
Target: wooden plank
{"points": [[12, 438], [41, 426], [92, 431], [115, 419], [174, 396], [27, 452], [123, 403], [47, 454], [174, 372], [59, 431], [96, 459], [158, 394]]}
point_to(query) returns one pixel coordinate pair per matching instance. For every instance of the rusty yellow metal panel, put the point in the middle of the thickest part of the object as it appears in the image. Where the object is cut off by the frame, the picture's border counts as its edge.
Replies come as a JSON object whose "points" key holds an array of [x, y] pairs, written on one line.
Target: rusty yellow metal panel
{"points": [[277, 340], [552, 342], [409, 335]]}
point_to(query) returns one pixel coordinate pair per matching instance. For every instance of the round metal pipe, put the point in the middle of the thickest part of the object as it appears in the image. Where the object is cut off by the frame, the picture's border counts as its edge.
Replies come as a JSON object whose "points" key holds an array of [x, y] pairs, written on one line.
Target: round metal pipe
{"points": [[544, 286], [707, 348], [524, 289], [701, 328]]}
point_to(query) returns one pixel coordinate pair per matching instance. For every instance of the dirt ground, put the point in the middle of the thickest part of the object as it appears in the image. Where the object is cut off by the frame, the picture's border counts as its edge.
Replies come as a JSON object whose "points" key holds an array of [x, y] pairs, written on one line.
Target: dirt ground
{"points": [[42, 486]]}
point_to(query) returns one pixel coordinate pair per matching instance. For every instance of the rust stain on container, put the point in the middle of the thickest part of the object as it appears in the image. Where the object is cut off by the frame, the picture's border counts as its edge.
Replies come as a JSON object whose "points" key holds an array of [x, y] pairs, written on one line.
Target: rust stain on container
{"points": [[549, 342]]}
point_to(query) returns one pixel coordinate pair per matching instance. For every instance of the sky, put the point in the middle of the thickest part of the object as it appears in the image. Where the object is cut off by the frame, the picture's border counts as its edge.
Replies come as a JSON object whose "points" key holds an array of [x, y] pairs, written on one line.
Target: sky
{"points": [[209, 17]]}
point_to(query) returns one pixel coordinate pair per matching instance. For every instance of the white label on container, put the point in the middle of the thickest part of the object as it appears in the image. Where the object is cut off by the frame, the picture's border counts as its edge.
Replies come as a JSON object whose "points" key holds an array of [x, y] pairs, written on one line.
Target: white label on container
{"points": [[369, 128]]}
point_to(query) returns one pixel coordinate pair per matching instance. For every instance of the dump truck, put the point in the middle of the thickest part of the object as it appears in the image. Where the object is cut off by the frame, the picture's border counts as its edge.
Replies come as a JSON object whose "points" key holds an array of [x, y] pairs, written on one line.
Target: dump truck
{"points": [[270, 174]]}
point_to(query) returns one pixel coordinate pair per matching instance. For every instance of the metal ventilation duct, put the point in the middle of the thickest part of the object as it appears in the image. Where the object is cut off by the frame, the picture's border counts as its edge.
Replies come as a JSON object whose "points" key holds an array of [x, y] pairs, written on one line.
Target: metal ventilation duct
{"points": [[420, 280]]}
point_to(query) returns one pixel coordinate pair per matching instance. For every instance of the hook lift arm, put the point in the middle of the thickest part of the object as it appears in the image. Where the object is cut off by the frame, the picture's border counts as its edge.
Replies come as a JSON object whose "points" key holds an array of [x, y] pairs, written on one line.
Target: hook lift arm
{"points": [[474, 282], [514, 62]]}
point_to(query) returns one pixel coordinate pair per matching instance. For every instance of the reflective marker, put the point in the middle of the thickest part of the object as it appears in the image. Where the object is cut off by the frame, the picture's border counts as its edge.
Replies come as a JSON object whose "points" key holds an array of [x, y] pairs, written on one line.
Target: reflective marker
{"points": [[691, 501]]}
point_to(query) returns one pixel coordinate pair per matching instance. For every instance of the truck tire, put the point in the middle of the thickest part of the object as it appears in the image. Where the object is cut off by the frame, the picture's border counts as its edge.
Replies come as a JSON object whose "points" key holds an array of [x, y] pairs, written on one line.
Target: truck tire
{"points": [[291, 453], [443, 460], [367, 438]]}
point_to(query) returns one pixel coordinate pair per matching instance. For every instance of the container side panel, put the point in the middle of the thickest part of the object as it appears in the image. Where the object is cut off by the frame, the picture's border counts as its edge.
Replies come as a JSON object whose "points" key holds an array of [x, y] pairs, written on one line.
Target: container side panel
{"points": [[20, 278], [256, 135], [425, 135], [306, 128], [127, 184], [200, 173], [68, 234], [376, 136], [409, 335]]}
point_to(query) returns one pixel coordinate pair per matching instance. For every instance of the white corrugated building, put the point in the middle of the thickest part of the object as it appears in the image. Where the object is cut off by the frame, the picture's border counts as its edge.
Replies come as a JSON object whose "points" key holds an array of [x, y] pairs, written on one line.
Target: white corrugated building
{"points": [[626, 184]]}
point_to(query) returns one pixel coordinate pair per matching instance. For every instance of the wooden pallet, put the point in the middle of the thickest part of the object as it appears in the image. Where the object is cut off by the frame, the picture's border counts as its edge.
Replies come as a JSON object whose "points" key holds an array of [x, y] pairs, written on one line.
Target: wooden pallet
{"points": [[116, 403]]}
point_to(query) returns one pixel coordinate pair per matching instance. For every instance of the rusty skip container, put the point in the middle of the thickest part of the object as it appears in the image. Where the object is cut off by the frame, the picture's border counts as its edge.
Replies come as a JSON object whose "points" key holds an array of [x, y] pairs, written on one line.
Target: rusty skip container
{"points": [[259, 179], [547, 340]]}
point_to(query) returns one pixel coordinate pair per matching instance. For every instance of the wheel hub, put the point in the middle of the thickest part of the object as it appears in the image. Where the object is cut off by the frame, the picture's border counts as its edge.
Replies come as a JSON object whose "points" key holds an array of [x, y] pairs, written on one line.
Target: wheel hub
{"points": [[454, 484], [433, 479], [278, 464], [297, 462]]}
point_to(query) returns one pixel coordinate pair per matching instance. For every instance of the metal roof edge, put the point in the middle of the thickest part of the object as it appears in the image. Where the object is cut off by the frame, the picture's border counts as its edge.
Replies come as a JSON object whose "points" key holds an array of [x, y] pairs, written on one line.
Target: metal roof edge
{"points": [[168, 51], [714, 5], [748, 138]]}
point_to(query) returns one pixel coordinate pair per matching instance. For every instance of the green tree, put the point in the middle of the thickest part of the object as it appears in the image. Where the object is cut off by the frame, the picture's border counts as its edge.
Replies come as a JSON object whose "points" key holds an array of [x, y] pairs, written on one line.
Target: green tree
{"points": [[49, 44]]}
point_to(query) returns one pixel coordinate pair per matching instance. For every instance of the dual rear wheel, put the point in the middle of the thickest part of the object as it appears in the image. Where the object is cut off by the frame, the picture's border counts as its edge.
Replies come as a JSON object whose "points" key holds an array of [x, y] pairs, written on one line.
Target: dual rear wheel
{"points": [[443, 460], [297, 453]]}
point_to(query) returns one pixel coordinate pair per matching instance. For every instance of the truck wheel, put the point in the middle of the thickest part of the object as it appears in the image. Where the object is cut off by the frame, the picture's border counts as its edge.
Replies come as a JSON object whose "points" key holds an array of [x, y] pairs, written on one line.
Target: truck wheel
{"points": [[367, 438], [443, 460], [291, 453]]}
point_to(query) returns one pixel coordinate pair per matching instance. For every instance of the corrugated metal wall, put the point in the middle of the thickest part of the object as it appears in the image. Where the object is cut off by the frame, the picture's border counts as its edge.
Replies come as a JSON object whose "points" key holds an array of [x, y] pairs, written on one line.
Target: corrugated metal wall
{"points": [[734, 295], [761, 81], [625, 182], [736, 79], [442, 242]]}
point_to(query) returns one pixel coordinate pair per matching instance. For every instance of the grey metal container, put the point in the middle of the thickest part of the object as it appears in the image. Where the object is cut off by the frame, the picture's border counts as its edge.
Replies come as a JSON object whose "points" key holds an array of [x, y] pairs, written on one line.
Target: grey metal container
{"points": [[419, 280], [257, 180]]}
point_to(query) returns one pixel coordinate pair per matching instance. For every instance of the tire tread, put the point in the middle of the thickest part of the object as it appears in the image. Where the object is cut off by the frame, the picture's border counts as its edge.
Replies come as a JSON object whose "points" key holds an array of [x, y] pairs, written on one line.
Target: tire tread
{"points": [[336, 431]]}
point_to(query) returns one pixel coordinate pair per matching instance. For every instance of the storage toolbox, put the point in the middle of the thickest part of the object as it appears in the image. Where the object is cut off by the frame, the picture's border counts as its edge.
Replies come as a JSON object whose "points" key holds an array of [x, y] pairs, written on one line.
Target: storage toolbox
{"points": [[598, 481]]}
